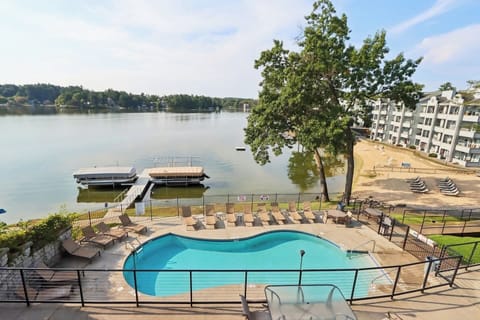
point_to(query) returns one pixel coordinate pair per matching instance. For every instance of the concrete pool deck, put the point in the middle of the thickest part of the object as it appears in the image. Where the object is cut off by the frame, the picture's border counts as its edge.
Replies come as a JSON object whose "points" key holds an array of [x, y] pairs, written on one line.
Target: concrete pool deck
{"points": [[462, 301]]}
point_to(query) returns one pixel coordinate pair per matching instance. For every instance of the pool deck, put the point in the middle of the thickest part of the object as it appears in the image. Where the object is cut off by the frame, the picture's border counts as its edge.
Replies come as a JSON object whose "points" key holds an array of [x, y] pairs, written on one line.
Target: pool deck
{"points": [[462, 301]]}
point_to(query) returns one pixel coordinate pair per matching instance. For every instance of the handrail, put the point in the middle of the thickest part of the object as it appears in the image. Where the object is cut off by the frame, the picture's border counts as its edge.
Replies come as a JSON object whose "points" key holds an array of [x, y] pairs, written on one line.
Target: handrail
{"points": [[361, 245]]}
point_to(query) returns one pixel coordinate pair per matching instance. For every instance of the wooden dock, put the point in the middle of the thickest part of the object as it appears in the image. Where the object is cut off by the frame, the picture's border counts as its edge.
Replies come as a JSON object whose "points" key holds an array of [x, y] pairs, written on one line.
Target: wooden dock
{"points": [[137, 189]]}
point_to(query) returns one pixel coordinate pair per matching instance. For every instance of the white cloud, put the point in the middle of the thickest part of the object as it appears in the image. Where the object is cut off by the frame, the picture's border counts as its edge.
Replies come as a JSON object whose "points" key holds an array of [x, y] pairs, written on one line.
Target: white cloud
{"points": [[158, 47], [439, 7], [456, 47]]}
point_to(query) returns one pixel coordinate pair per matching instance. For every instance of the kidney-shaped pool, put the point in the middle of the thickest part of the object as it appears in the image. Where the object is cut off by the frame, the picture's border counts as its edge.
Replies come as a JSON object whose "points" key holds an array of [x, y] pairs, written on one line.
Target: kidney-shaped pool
{"points": [[165, 265]]}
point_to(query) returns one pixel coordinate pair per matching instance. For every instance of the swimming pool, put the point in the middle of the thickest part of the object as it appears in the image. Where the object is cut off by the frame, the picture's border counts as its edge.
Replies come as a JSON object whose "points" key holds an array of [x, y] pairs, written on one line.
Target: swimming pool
{"points": [[279, 251]]}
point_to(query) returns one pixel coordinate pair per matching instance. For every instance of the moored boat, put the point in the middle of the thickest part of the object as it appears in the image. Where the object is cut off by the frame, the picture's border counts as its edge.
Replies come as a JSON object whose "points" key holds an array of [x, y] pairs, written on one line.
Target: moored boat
{"points": [[105, 176], [177, 176]]}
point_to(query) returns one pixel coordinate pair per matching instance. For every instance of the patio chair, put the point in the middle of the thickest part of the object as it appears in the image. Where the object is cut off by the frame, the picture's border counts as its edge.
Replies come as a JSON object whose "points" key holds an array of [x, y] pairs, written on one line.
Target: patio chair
{"points": [[116, 233], [231, 218], [44, 294], [75, 249], [210, 217], [49, 275], [129, 225], [89, 235]]}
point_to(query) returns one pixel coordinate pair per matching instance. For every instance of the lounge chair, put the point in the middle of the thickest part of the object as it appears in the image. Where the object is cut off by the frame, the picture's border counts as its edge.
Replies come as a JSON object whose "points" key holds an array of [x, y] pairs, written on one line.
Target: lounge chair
{"points": [[190, 222], [247, 215], [49, 275], [89, 235], [129, 225], [210, 216], [74, 249], [44, 294], [116, 233], [294, 216], [277, 214]]}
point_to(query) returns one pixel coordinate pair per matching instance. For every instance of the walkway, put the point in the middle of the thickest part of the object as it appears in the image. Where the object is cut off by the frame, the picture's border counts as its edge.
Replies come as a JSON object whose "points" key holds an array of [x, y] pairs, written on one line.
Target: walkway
{"points": [[135, 190]]}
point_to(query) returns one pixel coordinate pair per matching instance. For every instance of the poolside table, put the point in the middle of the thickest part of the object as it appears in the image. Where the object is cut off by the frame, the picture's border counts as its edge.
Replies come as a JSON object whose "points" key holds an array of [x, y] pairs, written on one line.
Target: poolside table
{"points": [[336, 215], [317, 301]]}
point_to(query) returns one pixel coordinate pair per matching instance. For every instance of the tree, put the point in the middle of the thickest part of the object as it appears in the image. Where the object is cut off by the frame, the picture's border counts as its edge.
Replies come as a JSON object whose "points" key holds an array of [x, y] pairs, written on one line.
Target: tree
{"points": [[446, 86], [316, 95]]}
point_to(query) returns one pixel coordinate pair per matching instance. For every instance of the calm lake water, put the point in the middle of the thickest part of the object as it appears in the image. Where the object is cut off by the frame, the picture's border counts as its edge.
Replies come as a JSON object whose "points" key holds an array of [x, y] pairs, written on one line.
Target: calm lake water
{"points": [[40, 153]]}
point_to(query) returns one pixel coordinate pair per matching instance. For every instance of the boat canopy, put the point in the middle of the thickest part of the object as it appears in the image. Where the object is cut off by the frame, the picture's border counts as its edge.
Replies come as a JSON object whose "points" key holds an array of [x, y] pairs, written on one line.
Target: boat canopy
{"points": [[176, 172], [100, 172]]}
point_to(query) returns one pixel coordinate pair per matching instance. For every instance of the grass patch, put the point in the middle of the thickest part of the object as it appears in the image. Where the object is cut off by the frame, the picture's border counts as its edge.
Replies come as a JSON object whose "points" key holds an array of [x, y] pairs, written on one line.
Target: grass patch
{"points": [[464, 250], [413, 218]]}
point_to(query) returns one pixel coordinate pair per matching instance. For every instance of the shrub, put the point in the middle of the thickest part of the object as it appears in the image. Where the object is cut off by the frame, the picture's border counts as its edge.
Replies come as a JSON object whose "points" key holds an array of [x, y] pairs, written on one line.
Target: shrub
{"points": [[412, 146], [47, 230], [432, 155], [13, 239]]}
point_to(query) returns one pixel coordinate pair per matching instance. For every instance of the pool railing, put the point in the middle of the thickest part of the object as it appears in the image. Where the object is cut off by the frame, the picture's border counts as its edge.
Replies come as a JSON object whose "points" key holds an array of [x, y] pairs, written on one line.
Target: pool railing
{"points": [[108, 286]]}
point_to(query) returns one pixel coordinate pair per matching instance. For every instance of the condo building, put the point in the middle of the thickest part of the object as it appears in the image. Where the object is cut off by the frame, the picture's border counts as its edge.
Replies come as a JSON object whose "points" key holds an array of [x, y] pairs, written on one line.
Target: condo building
{"points": [[444, 124]]}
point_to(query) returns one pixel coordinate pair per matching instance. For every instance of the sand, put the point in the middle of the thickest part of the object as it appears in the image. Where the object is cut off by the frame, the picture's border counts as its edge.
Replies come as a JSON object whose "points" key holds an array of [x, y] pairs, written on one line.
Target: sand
{"points": [[374, 177]]}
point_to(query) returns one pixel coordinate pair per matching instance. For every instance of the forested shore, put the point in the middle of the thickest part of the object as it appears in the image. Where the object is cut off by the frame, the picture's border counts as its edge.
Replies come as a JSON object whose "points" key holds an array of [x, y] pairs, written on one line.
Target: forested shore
{"points": [[48, 98]]}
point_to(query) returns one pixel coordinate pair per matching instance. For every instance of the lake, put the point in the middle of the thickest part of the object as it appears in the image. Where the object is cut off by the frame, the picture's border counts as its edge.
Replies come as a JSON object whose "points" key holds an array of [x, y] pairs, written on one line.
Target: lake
{"points": [[40, 153]]}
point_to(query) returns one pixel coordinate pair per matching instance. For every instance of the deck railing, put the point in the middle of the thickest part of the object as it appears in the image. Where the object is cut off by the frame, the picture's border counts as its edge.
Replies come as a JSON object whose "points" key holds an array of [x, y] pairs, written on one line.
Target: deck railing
{"points": [[190, 287]]}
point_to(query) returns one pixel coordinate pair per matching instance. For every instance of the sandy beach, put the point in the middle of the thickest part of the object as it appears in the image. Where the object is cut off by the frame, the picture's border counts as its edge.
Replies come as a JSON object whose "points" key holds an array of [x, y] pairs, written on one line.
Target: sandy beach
{"points": [[375, 177]]}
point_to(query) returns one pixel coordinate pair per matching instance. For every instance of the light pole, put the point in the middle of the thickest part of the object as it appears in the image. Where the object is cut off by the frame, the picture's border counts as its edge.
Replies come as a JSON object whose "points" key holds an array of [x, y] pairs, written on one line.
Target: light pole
{"points": [[302, 253]]}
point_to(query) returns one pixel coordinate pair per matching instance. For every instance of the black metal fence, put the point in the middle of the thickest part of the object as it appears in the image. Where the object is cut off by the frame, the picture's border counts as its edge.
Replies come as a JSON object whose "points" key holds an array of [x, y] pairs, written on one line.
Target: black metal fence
{"points": [[434, 221], [411, 239], [141, 287]]}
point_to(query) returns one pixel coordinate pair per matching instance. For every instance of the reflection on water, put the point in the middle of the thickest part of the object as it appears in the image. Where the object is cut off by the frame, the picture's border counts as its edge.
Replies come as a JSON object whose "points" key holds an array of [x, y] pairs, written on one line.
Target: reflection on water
{"points": [[99, 195], [162, 193], [303, 171]]}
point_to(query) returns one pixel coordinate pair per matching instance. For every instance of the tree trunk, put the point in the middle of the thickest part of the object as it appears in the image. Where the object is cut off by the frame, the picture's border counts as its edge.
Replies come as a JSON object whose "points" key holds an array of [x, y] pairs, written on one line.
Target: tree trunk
{"points": [[323, 179], [350, 166]]}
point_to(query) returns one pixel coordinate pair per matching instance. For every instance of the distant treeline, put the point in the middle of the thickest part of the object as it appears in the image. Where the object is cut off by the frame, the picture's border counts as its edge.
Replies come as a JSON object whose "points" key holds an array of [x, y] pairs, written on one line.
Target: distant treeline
{"points": [[78, 97]]}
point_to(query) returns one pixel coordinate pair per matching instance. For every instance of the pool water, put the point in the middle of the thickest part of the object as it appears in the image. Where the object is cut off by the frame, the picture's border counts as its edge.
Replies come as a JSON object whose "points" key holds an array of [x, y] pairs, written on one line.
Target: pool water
{"points": [[277, 250]]}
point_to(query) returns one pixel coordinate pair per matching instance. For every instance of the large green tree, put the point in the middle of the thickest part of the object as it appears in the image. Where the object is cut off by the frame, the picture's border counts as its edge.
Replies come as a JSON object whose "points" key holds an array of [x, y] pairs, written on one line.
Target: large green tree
{"points": [[315, 95]]}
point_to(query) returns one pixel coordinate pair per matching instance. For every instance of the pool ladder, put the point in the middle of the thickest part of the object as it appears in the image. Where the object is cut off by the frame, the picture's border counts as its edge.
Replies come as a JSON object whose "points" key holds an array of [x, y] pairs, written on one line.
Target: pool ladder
{"points": [[355, 249], [136, 247]]}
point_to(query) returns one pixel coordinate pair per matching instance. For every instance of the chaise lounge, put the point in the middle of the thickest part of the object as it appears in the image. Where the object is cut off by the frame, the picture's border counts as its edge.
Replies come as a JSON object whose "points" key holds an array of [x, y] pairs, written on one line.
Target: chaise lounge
{"points": [[131, 226], [89, 235], [75, 249]]}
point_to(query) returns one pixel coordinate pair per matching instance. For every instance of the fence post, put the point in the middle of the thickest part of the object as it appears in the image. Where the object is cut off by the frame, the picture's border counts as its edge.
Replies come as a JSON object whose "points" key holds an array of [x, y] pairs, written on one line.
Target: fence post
{"points": [[245, 284], [423, 220], [178, 208], [380, 223], [151, 211], [353, 286], [443, 226], [191, 288], [471, 255], [403, 217], [89, 218], [391, 232], [298, 200], [80, 288], [25, 291], [406, 238], [396, 282], [135, 283], [228, 198]]}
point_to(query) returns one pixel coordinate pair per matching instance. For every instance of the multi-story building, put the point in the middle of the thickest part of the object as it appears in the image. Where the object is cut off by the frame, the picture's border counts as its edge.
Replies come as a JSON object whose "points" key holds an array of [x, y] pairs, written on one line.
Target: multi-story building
{"points": [[444, 123]]}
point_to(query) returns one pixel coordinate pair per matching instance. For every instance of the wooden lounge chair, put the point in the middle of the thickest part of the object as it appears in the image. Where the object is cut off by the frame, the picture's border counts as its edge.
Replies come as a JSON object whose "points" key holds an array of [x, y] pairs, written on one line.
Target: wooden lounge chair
{"points": [[116, 233], [77, 250], [294, 216], [277, 214], [247, 215], [129, 225], [89, 235], [48, 275], [210, 216], [44, 294]]}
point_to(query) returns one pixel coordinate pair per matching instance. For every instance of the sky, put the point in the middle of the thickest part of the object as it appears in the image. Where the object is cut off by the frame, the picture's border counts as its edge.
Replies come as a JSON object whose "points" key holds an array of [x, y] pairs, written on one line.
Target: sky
{"points": [[208, 47]]}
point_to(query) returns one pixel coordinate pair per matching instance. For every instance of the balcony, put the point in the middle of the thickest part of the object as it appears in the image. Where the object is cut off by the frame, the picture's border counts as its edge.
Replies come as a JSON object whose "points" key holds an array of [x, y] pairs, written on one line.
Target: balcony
{"points": [[467, 133], [474, 119]]}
